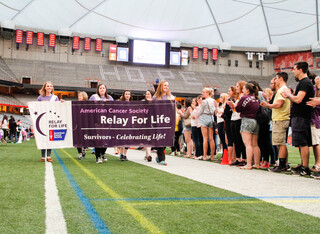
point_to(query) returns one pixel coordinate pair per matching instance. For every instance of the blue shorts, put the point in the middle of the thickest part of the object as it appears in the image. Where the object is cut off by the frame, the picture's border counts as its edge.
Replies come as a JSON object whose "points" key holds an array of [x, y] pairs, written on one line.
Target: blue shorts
{"points": [[249, 125], [207, 121]]}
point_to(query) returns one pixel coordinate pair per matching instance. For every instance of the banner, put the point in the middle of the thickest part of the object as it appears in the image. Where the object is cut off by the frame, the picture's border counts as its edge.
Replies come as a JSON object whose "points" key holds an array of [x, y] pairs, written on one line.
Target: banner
{"points": [[205, 52], [103, 124], [52, 124], [99, 44], [19, 36], [52, 40], [285, 62], [87, 43], [76, 43], [195, 52], [29, 38], [215, 54], [40, 39]]}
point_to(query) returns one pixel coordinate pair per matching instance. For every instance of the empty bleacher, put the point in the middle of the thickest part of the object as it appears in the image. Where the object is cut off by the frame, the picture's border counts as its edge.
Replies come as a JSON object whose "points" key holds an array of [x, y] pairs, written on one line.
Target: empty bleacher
{"points": [[8, 100], [123, 77], [6, 73]]}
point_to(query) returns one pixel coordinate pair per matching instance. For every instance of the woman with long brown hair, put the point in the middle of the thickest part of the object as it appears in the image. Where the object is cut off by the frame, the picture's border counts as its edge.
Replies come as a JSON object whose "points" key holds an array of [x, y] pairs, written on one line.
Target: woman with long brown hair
{"points": [[227, 120], [82, 96], [148, 97], [248, 107], [187, 128], [126, 96], [162, 93], [235, 127], [101, 95]]}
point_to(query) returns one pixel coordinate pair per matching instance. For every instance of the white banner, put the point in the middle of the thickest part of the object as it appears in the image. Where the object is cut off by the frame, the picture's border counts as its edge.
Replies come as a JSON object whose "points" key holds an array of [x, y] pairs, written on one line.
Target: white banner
{"points": [[52, 124]]}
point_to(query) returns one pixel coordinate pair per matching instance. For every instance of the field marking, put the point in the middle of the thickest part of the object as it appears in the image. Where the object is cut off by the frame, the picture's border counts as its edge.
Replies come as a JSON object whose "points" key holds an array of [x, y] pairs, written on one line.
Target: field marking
{"points": [[55, 222], [231, 202], [135, 214], [204, 198], [97, 221], [213, 200]]}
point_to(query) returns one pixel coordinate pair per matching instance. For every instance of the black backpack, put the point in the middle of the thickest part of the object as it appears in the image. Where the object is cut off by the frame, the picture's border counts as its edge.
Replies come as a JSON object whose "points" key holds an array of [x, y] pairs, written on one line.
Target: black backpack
{"points": [[262, 116]]}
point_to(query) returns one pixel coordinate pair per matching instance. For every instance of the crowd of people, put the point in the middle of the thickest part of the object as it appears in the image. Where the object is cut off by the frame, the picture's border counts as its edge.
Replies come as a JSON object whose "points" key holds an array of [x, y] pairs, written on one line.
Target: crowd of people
{"points": [[13, 131], [252, 124]]}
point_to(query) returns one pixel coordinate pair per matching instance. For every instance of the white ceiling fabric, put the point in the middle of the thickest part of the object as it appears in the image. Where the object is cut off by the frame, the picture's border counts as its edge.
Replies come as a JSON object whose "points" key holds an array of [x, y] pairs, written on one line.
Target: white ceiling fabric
{"points": [[242, 23]]}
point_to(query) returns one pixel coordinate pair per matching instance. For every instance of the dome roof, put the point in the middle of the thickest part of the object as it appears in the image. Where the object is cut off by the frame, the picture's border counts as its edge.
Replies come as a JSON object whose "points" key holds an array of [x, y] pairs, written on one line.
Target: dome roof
{"points": [[240, 23]]}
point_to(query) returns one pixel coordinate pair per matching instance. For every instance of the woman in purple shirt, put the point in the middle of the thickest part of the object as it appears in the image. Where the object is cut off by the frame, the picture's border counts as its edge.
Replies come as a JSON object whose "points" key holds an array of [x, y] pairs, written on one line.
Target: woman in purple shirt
{"points": [[248, 107], [46, 94], [101, 95]]}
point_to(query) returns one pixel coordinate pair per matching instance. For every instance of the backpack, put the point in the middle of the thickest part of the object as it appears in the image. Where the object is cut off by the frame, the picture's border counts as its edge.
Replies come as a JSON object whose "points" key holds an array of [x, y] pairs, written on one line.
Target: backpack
{"points": [[262, 116]]}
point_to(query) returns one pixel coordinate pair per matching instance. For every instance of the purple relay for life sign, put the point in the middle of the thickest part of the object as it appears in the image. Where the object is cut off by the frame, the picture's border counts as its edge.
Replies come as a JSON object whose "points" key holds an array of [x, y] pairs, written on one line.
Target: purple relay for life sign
{"points": [[121, 123]]}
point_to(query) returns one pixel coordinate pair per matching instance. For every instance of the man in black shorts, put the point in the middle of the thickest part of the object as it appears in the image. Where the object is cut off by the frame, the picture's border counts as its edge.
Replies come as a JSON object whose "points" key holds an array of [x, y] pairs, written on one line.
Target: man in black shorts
{"points": [[301, 115]]}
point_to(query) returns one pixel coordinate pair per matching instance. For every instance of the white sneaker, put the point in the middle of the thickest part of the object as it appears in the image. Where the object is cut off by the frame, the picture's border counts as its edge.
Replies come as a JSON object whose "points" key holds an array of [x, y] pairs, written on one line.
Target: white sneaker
{"points": [[104, 157], [179, 153], [99, 160], [173, 154], [80, 156]]}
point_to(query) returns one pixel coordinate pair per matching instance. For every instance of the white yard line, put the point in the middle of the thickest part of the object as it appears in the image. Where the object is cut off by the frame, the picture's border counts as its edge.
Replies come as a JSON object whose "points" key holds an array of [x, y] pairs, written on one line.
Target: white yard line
{"points": [[55, 222], [265, 185]]}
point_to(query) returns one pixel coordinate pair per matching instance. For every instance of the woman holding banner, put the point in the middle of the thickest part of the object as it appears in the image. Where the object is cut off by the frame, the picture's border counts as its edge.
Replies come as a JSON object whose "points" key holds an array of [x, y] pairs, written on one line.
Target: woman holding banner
{"points": [[148, 97], [162, 93], [126, 96], [82, 96], [46, 94], [101, 95]]}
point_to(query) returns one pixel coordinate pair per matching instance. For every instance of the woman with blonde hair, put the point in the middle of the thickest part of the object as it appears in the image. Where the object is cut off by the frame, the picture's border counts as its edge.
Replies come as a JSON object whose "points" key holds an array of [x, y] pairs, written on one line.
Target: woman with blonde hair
{"points": [[46, 94], [267, 94], [207, 112], [220, 121]]}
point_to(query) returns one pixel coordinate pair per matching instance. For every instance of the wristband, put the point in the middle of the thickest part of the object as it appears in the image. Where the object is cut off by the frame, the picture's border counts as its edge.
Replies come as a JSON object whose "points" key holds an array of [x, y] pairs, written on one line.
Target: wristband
{"points": [[290, 95], [268, 105]]}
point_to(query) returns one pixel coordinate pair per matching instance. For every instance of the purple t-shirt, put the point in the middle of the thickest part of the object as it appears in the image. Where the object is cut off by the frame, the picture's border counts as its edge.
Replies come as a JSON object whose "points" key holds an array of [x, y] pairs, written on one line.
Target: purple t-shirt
{"points": [[248, 106], [95, 97], [47, 98], [164, 97], [315, 115]]}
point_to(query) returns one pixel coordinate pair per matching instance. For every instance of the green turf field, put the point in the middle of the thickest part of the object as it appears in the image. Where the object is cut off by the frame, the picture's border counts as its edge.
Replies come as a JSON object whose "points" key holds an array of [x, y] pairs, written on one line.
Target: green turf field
{"points": [[130, 198]]}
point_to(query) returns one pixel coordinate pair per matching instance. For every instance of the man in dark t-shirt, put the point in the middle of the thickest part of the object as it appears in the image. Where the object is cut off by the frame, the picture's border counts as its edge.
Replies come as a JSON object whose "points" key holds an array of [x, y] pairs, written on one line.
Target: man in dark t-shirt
{"points": [[301, 115]]}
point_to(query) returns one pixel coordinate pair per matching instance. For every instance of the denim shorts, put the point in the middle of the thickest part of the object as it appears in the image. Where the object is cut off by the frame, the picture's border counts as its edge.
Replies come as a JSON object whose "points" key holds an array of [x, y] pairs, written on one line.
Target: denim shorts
{"points": [[206, 121], [185, 128], [249, 125]]}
